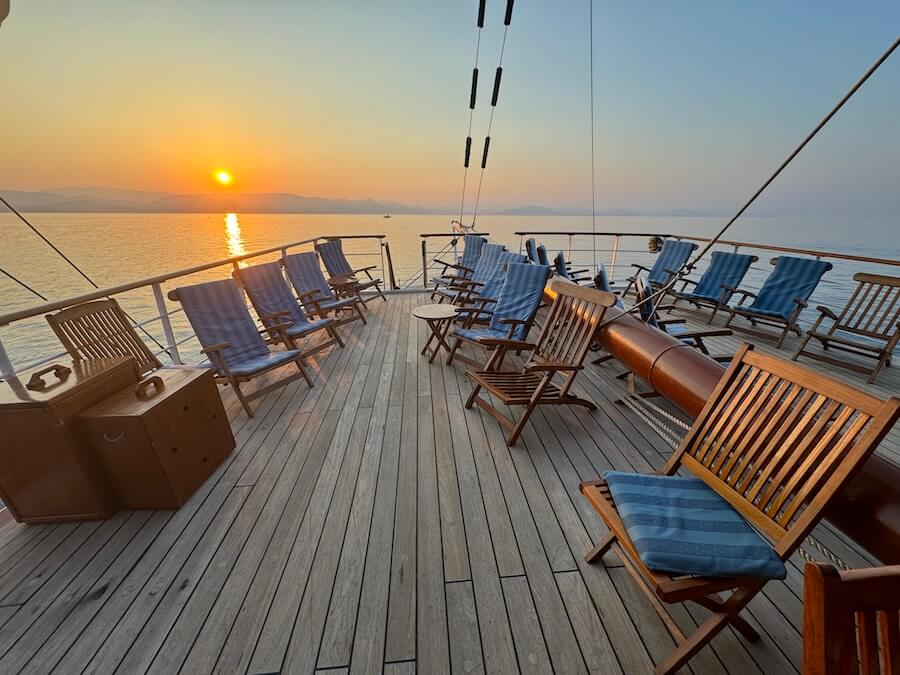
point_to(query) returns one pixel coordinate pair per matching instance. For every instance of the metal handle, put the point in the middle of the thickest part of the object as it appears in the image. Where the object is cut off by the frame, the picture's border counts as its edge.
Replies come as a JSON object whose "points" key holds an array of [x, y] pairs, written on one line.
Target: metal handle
{"points": [[36, 383], [140, 389]]}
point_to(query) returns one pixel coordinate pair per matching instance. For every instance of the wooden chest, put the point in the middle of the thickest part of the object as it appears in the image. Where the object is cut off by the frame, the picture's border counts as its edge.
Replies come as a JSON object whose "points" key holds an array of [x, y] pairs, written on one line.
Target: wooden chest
{"points": [[46, 473], [160, 440]]}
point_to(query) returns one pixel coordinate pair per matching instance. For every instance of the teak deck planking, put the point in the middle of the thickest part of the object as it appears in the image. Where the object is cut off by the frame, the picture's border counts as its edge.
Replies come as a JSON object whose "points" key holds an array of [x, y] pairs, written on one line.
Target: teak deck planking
{"points": [[371, 523]]}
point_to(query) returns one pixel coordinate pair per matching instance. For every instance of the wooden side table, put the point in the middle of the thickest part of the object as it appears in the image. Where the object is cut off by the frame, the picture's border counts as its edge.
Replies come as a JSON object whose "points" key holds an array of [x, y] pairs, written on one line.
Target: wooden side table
{"points": [[439, 319]]}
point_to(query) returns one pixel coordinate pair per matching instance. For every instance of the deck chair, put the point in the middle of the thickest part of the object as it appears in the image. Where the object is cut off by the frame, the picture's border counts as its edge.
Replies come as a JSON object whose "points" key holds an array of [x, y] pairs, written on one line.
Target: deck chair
{"points": [[531, 251], [869, 325], [601, 282], [560, 350], [563, 268], [332, 254], [230, 340], [464, 265], [100, 329], [851, 620], [316, 295], [782, 297], [543, 258], [274, 304], [675, 255], [484, 270], [512, 313], [773, 445], [725, 271], [494, 281]]}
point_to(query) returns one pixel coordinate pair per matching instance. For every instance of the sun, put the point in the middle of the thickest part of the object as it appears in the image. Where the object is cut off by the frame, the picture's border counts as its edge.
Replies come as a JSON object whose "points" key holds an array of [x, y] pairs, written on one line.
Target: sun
{"points": [[223, 177]]}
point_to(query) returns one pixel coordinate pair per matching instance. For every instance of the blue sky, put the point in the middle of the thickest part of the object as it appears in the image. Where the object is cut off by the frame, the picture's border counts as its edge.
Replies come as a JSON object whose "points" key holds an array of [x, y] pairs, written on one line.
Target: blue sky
{"points": [[695, 102]]}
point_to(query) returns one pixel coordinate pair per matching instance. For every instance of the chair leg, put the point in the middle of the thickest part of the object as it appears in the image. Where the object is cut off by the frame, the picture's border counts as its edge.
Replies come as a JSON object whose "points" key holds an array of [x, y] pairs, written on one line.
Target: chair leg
{"points": [[715, 603], [359, 312], [453, 350], [471, 400], [802, 346], [302, 369], [602, 547], [574, 400], [332, 331], [532, 404], [882, 362], [784, 334], [240, 395]]}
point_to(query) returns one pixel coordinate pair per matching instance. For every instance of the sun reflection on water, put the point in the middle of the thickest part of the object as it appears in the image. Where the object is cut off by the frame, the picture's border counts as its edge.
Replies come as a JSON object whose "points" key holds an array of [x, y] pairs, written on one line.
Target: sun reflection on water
{"points": [[234, 237]]}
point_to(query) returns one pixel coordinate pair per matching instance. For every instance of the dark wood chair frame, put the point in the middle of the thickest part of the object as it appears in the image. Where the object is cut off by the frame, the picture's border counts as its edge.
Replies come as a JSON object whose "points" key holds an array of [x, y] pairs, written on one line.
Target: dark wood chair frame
{"points": [[560, 350], [851, 620], [225, 376], [722, 302], [769, 440], [474, 315], [349, 282], [872, 312]]}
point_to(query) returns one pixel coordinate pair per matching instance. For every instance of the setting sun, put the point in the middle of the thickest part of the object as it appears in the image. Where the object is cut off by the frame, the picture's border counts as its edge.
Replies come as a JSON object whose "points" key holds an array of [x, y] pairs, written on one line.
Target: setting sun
{"points": [[223, 177]]}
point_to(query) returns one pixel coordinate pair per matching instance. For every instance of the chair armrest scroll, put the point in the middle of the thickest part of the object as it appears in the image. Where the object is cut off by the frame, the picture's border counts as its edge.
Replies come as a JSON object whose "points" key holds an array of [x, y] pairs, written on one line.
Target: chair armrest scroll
{"points": [[827, 312], [215, 348]]}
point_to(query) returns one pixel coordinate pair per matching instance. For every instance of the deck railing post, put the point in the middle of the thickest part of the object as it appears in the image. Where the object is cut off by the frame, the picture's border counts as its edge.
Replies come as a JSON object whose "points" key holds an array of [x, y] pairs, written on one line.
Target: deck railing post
{"points": [[612, 262], [390, 265], [171, 343], [424, 262], [6, 366]]}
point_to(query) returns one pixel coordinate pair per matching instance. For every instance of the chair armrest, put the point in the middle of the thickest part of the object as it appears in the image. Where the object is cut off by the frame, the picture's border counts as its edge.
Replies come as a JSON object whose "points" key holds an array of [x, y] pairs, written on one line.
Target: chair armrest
{"points": [[366, 269], [275, 315], [640, 267], [712, 332], [827, 312], [744, 294], [688, 281], [278, 327], [505, 344], [314, 292], [455, 266], [667, 322], [801, 302], [473, 310], [215, 348], [550, 366], [513, 322]]}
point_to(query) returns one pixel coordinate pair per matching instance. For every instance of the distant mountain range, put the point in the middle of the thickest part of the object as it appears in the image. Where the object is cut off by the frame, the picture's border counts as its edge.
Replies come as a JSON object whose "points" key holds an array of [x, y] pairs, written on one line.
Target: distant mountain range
{"points": [[113, 200]]}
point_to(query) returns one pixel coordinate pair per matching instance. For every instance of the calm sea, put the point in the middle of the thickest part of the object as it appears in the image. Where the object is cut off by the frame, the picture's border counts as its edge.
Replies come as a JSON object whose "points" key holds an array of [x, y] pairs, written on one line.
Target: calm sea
{"points": [[115, 248]]}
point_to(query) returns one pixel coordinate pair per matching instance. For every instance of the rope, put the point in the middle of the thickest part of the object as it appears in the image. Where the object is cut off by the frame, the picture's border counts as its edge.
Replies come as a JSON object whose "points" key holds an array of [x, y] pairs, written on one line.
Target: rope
{"points": [[593, 171], [22, 284], [657, 296], [74, 266], [479, 25]]}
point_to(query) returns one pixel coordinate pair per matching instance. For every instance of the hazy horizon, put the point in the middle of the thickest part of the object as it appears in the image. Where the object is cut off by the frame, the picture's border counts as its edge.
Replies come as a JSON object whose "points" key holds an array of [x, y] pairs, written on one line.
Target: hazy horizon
{"points": [[694, 104]]}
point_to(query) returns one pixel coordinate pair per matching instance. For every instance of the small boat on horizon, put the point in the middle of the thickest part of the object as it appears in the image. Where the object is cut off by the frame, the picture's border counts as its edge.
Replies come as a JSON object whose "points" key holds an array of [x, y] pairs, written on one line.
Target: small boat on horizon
{"points": [[386, 215]]}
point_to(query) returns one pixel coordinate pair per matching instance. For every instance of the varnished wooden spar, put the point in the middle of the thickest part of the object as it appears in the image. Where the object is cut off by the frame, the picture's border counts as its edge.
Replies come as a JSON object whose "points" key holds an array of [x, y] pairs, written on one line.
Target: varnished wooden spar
{"points": [[851, 620]]}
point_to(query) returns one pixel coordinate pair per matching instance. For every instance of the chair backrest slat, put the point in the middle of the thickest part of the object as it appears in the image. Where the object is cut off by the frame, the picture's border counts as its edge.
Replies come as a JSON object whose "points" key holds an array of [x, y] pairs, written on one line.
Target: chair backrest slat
{"points": [[778, 441], [523, 289], [873, 309], [304, 273], [332, 253], [100, 329], [269, 294], [571, 323]]}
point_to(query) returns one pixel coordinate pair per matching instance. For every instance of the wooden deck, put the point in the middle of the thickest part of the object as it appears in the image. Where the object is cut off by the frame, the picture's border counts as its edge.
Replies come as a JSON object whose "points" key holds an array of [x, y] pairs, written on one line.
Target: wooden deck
{"points": [[372, 524]]}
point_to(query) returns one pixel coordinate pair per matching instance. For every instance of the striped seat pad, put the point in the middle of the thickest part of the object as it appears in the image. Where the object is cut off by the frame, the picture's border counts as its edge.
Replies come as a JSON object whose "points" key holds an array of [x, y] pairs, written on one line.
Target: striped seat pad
{"points": [[683, 527], [474, 334], [259, 363]]}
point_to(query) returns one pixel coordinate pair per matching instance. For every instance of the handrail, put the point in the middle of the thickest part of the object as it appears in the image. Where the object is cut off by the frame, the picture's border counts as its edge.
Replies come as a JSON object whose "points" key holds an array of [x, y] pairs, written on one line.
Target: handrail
{"points": [[740, 244], [452, 234], [37, 310]]}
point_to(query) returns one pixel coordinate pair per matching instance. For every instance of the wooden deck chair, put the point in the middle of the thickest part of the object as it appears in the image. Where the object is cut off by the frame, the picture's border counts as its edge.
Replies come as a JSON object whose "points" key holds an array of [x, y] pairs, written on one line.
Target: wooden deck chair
{"points": [[675, 255], [100, 329], [512, 313], [543, 258], [531, 251], [725, 271], [464, 265], [776, 442], [484, 270], [560, 350], [563, 268], [782, 297], [274, 304], [332, 253], [230, 340], [471, 291], [869, 325], [314, 292], [851, 620]]}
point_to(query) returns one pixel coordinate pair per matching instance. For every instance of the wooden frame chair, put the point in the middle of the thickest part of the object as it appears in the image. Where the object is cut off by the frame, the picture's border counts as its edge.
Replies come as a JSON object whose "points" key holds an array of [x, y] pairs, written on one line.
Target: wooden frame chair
{"points": [[230, 340], [726, 270], [488, 287], [100, 329], [871, 316], [782, 297], [318, 297], [851, 620], [563, 268], [675, 255], [332, 254], [274, 304], [464, 265], [485, 269], [778, 442], [560, 350]]}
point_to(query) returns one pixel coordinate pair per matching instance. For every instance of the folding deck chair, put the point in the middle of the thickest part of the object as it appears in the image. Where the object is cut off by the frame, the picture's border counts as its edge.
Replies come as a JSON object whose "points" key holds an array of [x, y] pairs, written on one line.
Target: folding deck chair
{"points": [[725, 271], [464, 265], [274, 304], [315, 294], [675, 255], [230, 340], [563, 268], [332, 253], [473, 292], [484, 270], [543, 258], [100, 329], [560, 350], [773, 445], [782, 297], [531, 251], [512, 313], [869, 325]]}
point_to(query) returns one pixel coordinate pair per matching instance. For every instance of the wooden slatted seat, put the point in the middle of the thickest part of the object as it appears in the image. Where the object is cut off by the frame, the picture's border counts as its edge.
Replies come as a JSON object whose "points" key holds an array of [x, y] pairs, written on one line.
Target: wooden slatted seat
{"points": [[777, 442], [560, 350], [869, 325], [851, 620]]}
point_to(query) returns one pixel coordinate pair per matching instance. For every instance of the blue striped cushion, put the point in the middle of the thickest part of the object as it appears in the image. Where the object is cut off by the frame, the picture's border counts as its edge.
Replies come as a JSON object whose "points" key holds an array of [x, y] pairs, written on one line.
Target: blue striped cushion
{"points": [[681, 526], [333, 257], [475, 333], [673, 257], [270, 293], [523, 289], [725, 269], [495, 277], [792, 278], [531, 250], [305, 274], [602, 282], [542, 255], [472, 245]]}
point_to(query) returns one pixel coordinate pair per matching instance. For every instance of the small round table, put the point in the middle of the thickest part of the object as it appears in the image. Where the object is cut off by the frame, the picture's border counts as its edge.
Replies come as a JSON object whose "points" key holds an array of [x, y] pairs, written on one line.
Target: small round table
{"points": [[439, 319]]}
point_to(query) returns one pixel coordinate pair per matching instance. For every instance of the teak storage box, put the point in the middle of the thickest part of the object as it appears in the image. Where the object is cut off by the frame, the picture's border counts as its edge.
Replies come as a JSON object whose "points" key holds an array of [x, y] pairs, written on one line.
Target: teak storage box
{"points": [[160, 440], [46, 473]]}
